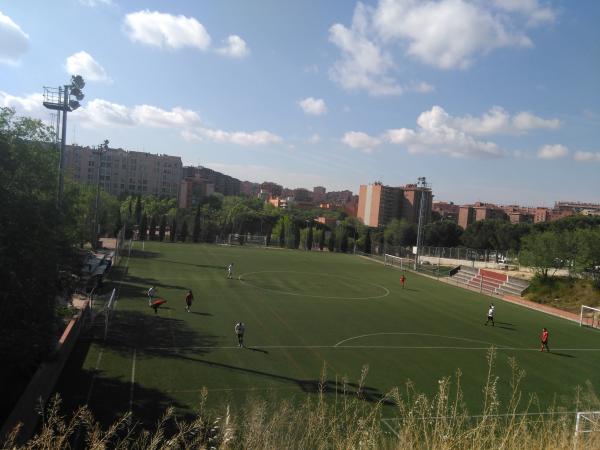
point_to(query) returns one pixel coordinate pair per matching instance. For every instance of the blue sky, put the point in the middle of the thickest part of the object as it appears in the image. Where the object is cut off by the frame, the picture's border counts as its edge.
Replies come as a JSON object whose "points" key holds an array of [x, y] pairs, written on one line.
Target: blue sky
{"points": [[493, 100]]}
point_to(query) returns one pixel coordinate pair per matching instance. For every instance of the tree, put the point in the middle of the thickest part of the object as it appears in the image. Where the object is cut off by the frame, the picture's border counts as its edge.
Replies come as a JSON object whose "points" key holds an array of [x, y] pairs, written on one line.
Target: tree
{"points": [[342, 235], [143, 229], [184, 231], [367, 248], [331, 242], [445, 233], [37, 241], [162, 228], [309, 238], [173, 231], [322, 239], [400, 232], [129, 207], [152, 230], [197, 224], [118, 224], [295, 234], [543, 252], [138, 209]]}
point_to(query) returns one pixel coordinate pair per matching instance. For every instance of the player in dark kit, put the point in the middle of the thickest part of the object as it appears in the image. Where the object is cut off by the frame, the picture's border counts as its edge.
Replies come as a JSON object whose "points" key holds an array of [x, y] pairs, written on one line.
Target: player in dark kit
{"points": [[188, 300]]}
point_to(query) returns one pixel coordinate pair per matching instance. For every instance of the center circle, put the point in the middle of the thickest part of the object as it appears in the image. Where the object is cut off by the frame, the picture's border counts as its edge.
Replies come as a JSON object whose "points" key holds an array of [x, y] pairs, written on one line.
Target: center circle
{"points": [[315, 285]]}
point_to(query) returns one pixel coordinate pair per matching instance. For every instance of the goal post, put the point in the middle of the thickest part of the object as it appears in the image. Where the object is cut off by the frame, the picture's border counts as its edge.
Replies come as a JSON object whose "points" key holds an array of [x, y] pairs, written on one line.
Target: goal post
{"points": [[586, 422], [397, 261], [589, 317], [247, 239]]}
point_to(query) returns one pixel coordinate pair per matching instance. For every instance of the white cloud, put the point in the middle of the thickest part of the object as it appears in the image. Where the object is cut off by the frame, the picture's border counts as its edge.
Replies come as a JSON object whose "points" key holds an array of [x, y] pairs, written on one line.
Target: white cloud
{"points": [[447, 34], [436, 134], [582, 156], [552, 151], [94, 3], [241, 137], [525, 121], [99, 113], [314, 139], [102, 113], [166, 30], [30, 104], [360, 140], [364, 65], [420, 87], [152, 116], [14, 42], [498, 121], [314, 106], [82, 63], [235, 47], [531, 9]]}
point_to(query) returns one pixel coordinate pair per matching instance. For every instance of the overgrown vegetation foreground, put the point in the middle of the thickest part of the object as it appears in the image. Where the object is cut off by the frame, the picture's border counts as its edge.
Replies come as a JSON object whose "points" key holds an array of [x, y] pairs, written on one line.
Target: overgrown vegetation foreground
{"points": [[439, 421]]}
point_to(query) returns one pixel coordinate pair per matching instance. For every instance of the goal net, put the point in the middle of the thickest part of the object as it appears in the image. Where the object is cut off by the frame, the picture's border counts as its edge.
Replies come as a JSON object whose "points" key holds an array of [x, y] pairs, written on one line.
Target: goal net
{"points": [[247, 239], [589, 317], [399, 262], [586, 423]]}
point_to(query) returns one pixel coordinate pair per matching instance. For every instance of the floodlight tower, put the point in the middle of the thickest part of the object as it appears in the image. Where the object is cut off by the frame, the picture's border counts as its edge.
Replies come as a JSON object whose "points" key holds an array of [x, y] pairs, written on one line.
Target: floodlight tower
{"points": [[421, 183], [59, 99]]}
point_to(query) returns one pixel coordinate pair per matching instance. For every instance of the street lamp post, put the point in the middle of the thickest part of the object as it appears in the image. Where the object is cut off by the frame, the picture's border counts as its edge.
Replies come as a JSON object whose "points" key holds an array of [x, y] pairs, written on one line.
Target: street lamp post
{"points": [[59, 99]]}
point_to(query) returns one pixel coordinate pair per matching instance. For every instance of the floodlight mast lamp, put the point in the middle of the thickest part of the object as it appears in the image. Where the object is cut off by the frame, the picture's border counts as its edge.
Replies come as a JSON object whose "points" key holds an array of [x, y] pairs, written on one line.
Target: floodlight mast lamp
{"points": [[421, 183], [59, 99]]}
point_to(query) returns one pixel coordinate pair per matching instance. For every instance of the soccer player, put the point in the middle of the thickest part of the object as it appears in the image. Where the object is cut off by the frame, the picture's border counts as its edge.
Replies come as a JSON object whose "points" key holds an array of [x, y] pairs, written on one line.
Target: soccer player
{"points": [[230, 271], [240, 328], [151, 294], [490, 317], [189, 298], [544, 339], [402, 280]]}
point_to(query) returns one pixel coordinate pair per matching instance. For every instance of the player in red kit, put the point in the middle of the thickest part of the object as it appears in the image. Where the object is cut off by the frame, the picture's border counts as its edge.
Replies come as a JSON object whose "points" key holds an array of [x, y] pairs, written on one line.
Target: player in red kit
{"points": [[544, 339], [402, 281]]}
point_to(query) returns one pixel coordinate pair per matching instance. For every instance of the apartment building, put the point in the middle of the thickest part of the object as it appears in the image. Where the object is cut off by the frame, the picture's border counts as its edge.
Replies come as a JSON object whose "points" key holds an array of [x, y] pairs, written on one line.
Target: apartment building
{"points": [[121, 172], [379, 204], [193, 190], [479, 211], [223, 184]]}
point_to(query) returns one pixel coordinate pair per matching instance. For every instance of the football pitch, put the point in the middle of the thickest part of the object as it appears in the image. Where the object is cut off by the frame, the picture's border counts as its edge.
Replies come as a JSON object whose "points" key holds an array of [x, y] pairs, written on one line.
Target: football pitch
{"points": [[308, 316]]}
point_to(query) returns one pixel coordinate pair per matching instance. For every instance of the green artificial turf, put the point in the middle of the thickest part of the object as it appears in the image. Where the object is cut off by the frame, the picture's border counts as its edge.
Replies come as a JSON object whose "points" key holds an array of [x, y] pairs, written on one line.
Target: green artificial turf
{"points": [[305, 311]]}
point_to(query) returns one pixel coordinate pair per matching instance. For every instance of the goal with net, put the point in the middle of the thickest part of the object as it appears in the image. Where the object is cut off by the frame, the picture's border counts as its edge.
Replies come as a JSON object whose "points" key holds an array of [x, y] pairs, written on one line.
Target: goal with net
{"points": [[589, 317], [586, 422], [247, 239], [399, 262]]}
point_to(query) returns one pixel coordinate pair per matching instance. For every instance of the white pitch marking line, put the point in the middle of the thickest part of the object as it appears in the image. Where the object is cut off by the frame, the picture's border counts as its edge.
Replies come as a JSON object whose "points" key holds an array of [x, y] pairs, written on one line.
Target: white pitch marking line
{"points": [[132, 380], [392, 347], [412, 334]]}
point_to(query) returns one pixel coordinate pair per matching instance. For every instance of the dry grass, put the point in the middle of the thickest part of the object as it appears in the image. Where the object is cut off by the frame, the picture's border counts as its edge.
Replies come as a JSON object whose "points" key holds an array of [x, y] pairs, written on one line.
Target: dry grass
{"points": [[346, 422]]}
